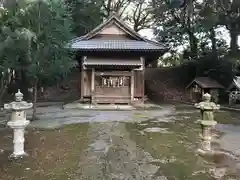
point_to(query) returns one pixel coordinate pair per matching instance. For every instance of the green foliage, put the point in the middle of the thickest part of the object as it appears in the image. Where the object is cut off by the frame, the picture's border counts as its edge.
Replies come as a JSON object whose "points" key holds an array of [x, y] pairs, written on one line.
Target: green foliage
{"points": [[172, 60], [7, 38], [33, 38], [193, 28], [178, 26], [86, 15], [34, 34], [49, 30], [220, 69]]}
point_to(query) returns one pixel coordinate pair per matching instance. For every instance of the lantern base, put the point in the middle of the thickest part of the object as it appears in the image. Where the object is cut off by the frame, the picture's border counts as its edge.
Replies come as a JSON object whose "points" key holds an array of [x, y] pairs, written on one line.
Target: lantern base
{"points": [[18, 156]]}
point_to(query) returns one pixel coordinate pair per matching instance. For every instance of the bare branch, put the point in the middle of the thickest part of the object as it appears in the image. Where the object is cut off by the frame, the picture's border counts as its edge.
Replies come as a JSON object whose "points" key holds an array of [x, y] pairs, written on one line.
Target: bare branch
{"points": [[140, 16], [118, 6]]}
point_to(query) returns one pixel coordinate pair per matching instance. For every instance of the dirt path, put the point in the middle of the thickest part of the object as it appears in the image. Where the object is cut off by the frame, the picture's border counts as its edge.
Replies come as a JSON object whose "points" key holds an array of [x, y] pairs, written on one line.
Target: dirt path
{"points": [[114, 156]]}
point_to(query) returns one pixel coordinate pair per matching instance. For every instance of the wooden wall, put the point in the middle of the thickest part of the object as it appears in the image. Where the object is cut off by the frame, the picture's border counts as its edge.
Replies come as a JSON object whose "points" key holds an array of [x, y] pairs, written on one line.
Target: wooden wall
{"points": [[138, 84], [87, 82], [134, 91]]}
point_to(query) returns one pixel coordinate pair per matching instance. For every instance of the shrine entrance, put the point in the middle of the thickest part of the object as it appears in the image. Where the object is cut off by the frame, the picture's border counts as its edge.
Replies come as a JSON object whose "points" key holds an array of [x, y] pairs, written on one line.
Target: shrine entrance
{"points": [[112, 87]]}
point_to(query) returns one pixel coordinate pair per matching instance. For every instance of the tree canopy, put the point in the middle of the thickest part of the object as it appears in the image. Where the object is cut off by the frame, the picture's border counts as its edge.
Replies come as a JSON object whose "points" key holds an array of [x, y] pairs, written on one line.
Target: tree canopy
{"points": [[34, 34]]}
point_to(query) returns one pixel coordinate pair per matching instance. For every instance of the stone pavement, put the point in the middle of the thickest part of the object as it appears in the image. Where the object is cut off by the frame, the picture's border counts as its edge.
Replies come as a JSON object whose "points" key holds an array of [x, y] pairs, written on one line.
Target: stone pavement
{"points": [[113, 155], [54, 117]]}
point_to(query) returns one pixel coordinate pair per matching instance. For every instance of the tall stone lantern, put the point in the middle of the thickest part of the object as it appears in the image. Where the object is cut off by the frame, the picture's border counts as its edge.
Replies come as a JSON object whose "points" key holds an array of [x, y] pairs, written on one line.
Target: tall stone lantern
{"points": [[18, 123], [207, 121]]}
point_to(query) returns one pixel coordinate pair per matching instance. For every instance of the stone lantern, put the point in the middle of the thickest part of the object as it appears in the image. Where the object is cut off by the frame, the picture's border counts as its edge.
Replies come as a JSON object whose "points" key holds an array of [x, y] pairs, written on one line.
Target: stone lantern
{"points": [[207, 121], [18, 123]]}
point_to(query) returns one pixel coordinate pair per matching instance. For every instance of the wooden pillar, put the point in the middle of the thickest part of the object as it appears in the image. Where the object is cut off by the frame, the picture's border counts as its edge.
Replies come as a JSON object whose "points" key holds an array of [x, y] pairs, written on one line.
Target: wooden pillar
{"points": [[132, 85], [93, 86], [143, 85], [82, 82], [82, 76], [143, 78], [191, 94]]}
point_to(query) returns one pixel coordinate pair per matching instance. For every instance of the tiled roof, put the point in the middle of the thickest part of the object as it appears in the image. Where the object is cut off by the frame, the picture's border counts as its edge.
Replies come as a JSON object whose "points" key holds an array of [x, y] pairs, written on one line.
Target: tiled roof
{"points": [[236, 81], [88, 42], [100, 44], [206, 82], [113, 62]]}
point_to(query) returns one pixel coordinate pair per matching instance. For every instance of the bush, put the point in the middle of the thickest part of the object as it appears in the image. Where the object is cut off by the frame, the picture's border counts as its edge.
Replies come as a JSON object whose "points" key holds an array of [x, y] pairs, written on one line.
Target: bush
{"points": [[220, 69]]}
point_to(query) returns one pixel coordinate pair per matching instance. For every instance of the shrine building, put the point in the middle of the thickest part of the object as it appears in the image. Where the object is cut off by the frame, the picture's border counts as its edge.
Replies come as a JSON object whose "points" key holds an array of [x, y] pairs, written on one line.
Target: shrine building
{"points": [[112, 60]]}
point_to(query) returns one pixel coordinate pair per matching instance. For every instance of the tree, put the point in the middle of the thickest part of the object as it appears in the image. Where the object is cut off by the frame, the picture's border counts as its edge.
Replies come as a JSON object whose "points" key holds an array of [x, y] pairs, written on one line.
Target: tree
{"points": [[6, 56], [140, 15], [177, 26], [117, 6], [230, 18], [86, 15], [46, 53], [12, 36], [192, 26], [209, 19]]}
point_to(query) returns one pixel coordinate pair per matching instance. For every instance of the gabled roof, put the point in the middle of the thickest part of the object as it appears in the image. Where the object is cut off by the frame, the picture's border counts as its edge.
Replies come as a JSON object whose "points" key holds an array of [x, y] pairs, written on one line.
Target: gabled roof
{"points": [[206, 82], [137, 42], [117, 45], [114, 19]]}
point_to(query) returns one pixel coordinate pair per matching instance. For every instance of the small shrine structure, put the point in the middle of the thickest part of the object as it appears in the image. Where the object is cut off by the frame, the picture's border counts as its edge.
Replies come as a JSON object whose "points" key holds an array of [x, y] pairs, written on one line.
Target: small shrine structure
{"points": [[234, 90], [201, 85], [112, 59], [235, 85]]}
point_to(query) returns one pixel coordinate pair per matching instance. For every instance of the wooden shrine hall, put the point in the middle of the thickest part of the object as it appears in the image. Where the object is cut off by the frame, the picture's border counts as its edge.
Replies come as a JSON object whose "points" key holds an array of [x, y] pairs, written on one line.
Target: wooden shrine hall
{"points": [[112, 59]]}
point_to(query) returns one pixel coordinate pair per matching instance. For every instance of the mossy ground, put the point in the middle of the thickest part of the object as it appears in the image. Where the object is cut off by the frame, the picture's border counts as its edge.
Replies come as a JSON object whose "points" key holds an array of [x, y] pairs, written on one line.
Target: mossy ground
{"points": [[58, 154]]}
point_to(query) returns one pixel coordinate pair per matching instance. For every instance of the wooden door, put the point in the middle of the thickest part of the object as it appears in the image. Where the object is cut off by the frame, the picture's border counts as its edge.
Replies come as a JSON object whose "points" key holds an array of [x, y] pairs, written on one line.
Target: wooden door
{"points": [[112, 89]]}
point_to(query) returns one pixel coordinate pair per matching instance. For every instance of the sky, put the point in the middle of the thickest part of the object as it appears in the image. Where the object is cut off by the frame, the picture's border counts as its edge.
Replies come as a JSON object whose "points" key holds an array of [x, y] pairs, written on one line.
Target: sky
{"points": [[222, 33]]}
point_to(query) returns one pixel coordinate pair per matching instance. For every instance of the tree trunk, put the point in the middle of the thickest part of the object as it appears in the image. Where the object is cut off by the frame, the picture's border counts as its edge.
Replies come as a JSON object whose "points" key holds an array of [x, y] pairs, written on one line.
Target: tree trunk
{"points": [[34, 101], [213, 41], [3, 89], [2, 92], [234, 42], [193, 44], [24, 85], [193, 41]]}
